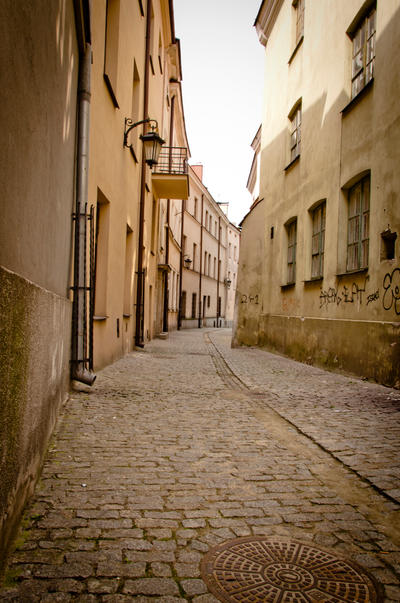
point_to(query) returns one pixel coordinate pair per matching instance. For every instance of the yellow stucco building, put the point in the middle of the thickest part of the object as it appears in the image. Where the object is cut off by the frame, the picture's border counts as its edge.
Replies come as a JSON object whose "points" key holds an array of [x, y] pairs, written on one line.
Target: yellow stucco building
{"points": [[319, 270]]}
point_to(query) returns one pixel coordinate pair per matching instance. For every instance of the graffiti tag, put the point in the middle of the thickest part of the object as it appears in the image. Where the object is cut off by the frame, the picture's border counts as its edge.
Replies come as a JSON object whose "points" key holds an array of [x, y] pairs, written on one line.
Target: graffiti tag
{"points": [[391, 285], [245, 299]]}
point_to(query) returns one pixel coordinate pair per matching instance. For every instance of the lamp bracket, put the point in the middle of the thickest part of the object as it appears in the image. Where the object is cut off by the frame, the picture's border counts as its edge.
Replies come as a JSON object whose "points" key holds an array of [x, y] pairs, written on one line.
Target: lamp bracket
{"points": [[130, 124]]}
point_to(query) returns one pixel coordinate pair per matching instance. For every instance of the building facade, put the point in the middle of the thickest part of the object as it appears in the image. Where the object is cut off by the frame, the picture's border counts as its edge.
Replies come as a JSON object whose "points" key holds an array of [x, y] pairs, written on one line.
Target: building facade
{"points": [[38, 180], [81, 264], [207, 238], [137, 78], [323, 269]]}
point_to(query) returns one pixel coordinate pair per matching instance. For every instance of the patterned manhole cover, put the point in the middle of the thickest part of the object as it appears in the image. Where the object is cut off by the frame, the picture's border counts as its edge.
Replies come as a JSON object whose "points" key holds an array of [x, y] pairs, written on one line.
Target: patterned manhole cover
{"points": [[276, 570]]}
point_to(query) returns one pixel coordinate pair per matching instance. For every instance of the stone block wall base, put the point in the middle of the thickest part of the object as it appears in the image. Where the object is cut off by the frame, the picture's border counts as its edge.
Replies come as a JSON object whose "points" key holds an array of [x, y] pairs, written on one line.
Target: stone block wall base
{"points": [[367, 349]]}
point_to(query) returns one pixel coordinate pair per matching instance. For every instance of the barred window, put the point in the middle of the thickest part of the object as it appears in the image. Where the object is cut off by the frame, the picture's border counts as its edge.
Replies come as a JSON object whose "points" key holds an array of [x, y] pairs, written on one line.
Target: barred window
{"points": [[363, 58], [318, 241], [194, 296], [291, 255], [358, 225], [298, 5], [295, 133]]}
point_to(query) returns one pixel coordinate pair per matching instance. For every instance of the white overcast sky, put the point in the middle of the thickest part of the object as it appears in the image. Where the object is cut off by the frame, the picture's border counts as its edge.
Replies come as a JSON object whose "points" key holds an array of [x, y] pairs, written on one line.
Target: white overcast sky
{"points": [[222, 66]]}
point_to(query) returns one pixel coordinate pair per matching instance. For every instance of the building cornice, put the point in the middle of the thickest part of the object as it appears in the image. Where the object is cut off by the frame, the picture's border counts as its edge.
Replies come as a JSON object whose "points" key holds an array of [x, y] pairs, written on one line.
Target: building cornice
{"points": [[266, 18]]}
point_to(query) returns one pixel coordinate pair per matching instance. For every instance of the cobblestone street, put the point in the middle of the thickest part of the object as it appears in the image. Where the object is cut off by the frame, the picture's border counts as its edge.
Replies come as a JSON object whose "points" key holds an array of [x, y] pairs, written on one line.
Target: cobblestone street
{"points": [[189, 443]]}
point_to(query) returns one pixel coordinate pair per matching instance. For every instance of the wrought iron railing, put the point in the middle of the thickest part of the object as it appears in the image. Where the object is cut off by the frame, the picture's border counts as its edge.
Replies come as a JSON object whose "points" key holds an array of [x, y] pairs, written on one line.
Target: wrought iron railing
{"points": [[172, 160]]}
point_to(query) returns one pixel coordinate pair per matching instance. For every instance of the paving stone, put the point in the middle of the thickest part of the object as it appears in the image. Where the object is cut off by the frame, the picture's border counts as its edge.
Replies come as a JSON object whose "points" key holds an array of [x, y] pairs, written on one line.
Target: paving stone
{"points": [[151, 586], [194, 587]]}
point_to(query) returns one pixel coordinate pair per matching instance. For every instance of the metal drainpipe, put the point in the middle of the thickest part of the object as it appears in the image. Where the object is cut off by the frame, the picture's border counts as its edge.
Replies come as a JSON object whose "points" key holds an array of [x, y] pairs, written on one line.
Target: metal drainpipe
{"points": [[201, 255], [181, 266], [166, 290], [218, 269], [140, 273], [79, 370]]}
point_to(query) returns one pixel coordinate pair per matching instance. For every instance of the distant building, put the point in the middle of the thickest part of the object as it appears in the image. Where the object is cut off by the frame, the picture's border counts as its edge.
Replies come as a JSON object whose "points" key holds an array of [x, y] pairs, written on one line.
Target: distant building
{"points": [[208, 247], [319, 274]]}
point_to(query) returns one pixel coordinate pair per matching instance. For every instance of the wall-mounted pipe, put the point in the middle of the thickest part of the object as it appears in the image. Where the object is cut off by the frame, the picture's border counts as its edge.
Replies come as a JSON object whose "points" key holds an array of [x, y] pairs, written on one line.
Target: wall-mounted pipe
{"points": [[201, 256], [79, 360], [139, 328]]}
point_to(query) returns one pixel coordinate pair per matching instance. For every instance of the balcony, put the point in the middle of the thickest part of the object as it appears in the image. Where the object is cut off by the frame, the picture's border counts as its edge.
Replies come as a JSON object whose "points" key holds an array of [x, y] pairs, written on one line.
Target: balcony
{"points": [[170, 178]]}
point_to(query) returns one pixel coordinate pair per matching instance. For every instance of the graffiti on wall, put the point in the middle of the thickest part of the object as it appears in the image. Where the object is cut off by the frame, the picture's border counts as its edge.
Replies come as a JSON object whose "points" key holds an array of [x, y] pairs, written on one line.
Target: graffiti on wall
{"points": [[249, 299], [358, 294], [391, 287]]}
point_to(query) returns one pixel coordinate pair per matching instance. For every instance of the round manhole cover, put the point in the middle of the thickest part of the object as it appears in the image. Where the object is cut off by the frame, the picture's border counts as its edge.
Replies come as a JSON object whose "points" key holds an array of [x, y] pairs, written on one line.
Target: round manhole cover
{"points": [[283, 571]]}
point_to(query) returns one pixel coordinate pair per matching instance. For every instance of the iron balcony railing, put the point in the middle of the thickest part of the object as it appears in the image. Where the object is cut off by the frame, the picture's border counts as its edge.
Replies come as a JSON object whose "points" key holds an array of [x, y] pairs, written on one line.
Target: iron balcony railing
{"points": [[172, 160]]}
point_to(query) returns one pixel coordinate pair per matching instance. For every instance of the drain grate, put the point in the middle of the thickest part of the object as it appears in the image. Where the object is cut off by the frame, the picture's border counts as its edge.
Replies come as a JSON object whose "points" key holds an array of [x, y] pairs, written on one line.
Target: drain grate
{"points": [[276, 570]]}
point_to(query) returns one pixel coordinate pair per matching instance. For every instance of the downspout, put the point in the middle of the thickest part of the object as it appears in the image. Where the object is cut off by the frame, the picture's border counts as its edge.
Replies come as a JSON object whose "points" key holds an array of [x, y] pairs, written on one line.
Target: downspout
{"points": [[201, 256], [218, 268], [140, 274], [79, 360], [166, 290], [181, 266]]}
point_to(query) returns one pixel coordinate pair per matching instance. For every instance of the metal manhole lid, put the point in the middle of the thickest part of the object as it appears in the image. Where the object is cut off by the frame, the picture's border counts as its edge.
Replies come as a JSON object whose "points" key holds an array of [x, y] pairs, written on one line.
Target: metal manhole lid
{"points": [[279, 570]]}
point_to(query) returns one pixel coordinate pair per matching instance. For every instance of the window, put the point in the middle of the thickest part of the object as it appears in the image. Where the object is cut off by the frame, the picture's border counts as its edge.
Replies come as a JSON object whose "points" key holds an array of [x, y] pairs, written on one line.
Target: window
{"points": [[205, 263], [194, 256], [111, 48], [215, 267], [154, 226], [318, 241], [295, 132], [183, 304], [298, 5], [208, 301], [134, 135], [358, 225], [160, 53], [195, 208], [291, 255], [363, 57], [206, 220], [101, 254], [128, 280], [193, 305]]}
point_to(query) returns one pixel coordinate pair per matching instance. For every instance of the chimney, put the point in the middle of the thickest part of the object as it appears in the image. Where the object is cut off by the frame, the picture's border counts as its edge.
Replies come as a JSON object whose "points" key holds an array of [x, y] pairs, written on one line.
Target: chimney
{"points": [[198, 170]]}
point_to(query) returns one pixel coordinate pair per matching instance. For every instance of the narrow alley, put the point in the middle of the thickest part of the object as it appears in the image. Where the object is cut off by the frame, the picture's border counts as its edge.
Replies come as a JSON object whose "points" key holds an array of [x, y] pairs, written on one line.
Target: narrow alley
{"points": [[187, 444]]}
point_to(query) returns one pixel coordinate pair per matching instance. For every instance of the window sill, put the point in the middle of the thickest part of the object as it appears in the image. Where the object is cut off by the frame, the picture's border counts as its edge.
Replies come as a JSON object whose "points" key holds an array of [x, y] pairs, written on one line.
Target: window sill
{"points": [[132, 150], [99, 318], [354, 101], [127, 315], [350, 272], [292, 163], [111, 91], [299, 43], [288, 286], [314, 279]]}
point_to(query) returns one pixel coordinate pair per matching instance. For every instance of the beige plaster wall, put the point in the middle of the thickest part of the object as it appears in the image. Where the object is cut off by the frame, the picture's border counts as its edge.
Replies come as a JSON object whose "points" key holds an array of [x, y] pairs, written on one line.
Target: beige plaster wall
{"points": [[337, 146], [38, 83]]}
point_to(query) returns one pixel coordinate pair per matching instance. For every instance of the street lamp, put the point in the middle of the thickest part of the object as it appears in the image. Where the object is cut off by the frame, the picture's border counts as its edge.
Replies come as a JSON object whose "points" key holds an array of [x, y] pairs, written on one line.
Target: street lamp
{"points": [[152, 141], [227, 282], [187, 261]]}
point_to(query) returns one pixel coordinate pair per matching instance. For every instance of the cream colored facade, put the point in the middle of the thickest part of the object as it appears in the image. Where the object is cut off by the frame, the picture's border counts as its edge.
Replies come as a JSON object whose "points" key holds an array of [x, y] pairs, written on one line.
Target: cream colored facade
{"points": [[81, 211], [136, 82], [41, 48], [205, 291], [326, 273]]}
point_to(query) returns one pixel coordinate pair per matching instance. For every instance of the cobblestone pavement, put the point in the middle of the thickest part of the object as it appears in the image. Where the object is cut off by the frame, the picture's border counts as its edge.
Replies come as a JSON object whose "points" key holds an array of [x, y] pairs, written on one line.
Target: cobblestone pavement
{"points": [[189, 443]]}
